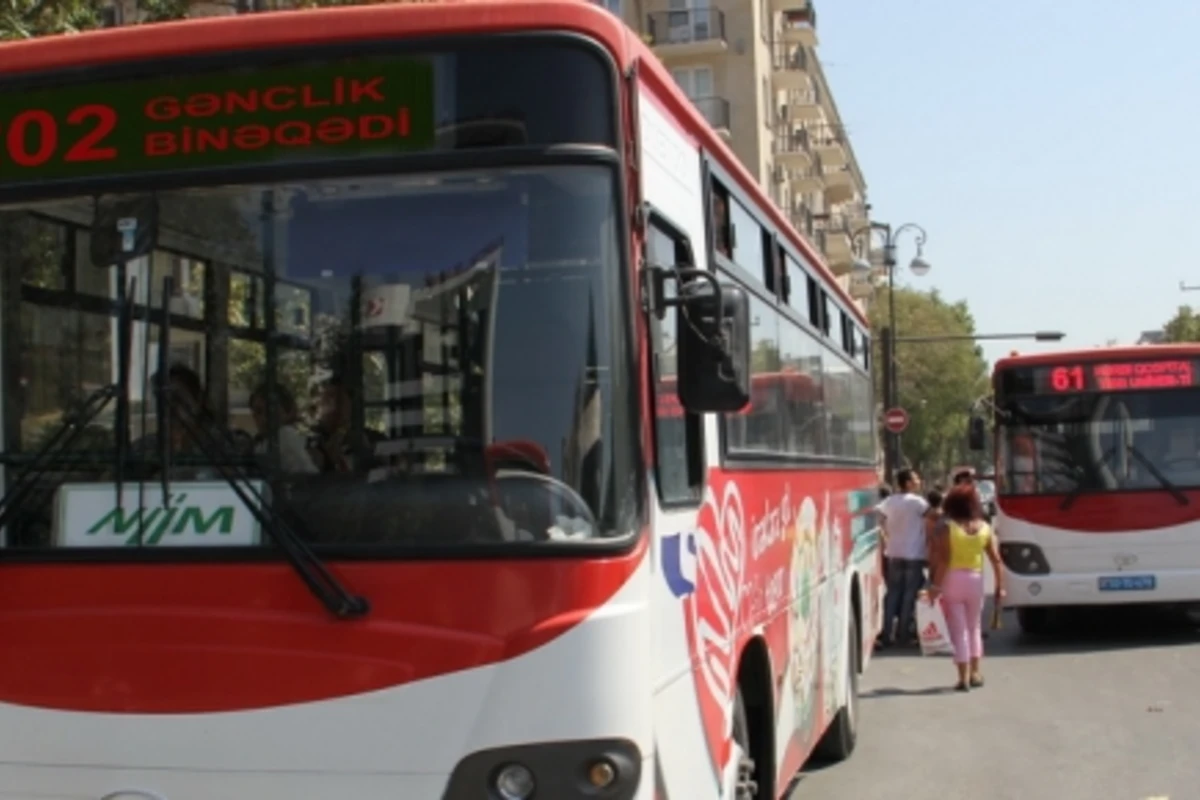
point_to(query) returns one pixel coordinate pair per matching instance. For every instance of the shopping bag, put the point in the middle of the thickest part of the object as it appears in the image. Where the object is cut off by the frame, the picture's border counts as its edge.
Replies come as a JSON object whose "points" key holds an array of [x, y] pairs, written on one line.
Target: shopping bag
{"points": [[933, 633]]}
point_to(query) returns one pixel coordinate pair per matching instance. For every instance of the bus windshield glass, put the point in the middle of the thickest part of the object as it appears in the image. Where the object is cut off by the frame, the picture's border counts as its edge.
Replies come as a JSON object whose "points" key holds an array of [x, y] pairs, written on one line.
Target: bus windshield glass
{"points": [[429, 359], [1099, 441]]}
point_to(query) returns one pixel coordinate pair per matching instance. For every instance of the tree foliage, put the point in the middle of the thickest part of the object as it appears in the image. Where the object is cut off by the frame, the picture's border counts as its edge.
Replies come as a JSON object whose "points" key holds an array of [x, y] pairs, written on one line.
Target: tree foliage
{"points": [[937, 381], [25, 19], [1183, 327]]}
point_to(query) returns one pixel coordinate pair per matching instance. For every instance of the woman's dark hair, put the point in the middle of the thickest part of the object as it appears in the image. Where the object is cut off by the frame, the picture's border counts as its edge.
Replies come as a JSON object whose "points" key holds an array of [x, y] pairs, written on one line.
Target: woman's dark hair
{"points": [[962, 503], [934, 498], [188, 378]]}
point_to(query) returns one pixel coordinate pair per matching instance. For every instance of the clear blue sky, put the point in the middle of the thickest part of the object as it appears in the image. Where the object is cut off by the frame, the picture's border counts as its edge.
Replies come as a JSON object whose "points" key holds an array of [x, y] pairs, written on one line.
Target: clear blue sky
{"points": [[1050, 148]]}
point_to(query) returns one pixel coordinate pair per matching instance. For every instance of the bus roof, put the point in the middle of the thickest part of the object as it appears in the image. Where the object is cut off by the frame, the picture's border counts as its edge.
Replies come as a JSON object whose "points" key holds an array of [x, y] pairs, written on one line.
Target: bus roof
{"points": [[285, 29], [1129, 352]]}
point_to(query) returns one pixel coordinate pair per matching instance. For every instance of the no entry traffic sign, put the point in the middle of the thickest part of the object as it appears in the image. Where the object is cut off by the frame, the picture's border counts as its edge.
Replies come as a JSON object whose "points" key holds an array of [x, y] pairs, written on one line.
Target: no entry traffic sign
{"points": [[895, 420]]}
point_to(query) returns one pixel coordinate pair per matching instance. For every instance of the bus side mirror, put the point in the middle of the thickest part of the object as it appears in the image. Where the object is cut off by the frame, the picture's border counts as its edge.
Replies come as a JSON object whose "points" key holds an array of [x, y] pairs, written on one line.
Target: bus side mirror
{"points": [[977, 434], [713, 332]]}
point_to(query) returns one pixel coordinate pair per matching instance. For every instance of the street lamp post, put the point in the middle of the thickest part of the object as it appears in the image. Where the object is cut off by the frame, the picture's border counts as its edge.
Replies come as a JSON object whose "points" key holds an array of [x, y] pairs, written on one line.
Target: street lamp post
{"points": [[919, 267]]}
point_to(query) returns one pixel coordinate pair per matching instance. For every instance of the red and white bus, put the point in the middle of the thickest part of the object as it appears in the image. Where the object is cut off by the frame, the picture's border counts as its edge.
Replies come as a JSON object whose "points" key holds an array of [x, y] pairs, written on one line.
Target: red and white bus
{"points": [[465, 244], [1098, 478]]}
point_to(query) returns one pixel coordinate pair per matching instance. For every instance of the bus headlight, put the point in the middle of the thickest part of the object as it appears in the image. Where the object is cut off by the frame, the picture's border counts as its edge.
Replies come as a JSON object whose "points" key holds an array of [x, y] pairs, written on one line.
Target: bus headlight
{"points": [[601, 773], [597, 769], [514, 782], [1023, 558]]}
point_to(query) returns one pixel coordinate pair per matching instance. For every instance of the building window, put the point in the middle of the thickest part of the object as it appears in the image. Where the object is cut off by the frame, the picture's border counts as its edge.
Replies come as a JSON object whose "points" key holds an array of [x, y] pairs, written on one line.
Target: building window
{"points": [[696, 82]]}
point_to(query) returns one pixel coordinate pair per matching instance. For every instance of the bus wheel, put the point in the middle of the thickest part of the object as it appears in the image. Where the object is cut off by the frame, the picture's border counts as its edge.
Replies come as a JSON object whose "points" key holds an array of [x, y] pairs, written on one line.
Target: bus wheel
{"points": [[1034, 621], [747, 785], [838, 742]]}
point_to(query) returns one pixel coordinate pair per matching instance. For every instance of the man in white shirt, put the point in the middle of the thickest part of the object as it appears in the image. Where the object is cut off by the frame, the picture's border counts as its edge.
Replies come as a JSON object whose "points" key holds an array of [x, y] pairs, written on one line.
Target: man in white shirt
{"points": [[904, 548]]}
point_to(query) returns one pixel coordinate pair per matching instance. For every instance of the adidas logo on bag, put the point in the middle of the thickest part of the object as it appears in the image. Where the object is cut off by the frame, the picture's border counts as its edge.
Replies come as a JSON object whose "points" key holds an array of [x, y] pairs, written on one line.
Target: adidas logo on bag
{"points": [[931, 632]]}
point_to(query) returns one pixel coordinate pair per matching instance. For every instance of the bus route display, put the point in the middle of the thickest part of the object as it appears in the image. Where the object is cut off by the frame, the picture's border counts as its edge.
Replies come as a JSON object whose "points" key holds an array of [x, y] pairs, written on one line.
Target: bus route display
{"points": [[300, 113], [1104, 376]]}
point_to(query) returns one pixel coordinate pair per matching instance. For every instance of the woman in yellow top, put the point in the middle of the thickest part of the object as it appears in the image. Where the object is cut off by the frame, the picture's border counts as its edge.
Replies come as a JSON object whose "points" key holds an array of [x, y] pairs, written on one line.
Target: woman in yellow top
{"points": [[956, 564]]}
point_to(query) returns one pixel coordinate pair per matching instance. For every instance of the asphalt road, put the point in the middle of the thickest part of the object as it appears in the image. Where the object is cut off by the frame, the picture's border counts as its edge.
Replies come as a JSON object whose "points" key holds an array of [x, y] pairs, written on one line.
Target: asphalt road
{"points": [[1107, 708]]}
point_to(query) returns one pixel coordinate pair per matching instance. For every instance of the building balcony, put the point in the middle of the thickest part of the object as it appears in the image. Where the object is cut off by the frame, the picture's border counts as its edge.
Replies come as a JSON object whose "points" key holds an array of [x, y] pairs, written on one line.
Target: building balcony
{"points": [[789, 67], [802, 220], [839, 186], [695, 32], [716, 111], [798, 21], [856, 216], [802, 105], [792, 148], [805, 180], [838, 249], [829, 143]]}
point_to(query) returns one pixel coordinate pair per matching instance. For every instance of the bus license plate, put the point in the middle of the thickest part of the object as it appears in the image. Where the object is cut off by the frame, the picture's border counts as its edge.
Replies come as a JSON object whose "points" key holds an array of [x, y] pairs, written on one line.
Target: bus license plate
{"points": [[1127, 583]]}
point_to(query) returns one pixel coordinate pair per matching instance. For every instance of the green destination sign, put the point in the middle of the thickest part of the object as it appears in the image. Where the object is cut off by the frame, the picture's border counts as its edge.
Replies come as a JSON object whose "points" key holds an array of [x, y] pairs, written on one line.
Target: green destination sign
{"points": [[300, 113]]}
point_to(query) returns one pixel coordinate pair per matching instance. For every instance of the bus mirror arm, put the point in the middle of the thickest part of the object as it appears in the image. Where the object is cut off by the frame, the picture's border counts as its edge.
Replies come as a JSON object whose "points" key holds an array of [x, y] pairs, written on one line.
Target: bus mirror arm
{"points": [[712, 334]]}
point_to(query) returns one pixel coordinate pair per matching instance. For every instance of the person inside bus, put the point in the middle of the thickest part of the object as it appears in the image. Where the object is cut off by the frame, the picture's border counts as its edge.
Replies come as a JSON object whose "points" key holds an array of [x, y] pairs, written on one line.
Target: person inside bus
{"points": [[330, 447], [720, 224], [294, 457], [185, 392], [904, 549], [960, 542]]}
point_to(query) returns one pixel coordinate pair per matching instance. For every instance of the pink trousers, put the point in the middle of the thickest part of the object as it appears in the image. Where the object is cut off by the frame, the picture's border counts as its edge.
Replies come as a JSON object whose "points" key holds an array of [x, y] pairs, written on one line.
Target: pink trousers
{"points": [[962, 600]]}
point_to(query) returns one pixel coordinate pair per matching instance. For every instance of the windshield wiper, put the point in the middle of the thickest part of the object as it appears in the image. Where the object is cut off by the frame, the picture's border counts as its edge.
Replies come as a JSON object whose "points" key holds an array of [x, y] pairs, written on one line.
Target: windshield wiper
{"points": [[1179, 496], [75, 423], [1081, 486], [339, 600]]}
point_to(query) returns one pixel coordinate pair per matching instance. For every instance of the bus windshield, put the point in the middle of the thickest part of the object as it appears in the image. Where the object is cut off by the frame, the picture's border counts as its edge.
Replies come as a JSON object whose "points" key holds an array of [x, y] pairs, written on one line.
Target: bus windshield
{"points": [[1099, 442], [426, 359]]}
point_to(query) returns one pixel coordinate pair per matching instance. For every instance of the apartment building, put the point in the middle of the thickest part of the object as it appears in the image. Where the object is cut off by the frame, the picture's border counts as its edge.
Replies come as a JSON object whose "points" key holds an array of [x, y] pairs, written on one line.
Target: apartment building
{"points": [[751, 68]]}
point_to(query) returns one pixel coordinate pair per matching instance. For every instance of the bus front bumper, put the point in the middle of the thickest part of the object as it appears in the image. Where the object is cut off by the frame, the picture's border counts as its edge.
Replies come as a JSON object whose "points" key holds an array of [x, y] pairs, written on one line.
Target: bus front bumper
{"points": [[1176, 586]]}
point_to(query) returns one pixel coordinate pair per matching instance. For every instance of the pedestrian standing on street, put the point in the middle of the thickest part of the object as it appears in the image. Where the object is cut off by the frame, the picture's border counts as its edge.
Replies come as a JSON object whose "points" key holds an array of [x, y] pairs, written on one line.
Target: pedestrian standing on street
{"points": [[933, 517], [904, 551], [959, 546], [877, 510], [967, 477]]}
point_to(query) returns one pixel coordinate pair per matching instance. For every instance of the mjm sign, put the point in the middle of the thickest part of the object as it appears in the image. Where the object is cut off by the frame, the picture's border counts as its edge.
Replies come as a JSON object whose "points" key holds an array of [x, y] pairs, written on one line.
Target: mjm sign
{"points": [[199, 514]]}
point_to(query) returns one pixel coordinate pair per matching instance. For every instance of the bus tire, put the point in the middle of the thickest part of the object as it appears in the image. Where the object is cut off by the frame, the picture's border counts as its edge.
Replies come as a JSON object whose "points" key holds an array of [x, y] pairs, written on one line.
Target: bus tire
{"points": [[839, 741], [747, 783], [1034, 621]]}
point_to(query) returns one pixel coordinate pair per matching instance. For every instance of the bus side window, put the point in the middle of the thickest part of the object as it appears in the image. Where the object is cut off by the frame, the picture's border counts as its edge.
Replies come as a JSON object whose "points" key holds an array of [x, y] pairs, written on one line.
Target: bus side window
{"points": [[679, 461]]}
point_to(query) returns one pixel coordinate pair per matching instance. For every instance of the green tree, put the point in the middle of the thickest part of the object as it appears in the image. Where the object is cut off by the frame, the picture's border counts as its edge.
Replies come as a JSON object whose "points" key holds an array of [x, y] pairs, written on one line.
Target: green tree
{"points": [[936, 381], [25, 19], [1184, 326]]}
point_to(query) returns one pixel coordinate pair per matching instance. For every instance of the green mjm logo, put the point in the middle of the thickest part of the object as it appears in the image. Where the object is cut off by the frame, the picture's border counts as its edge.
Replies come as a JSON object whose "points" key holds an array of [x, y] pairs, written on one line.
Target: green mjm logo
{"points": [[147, 526]]}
